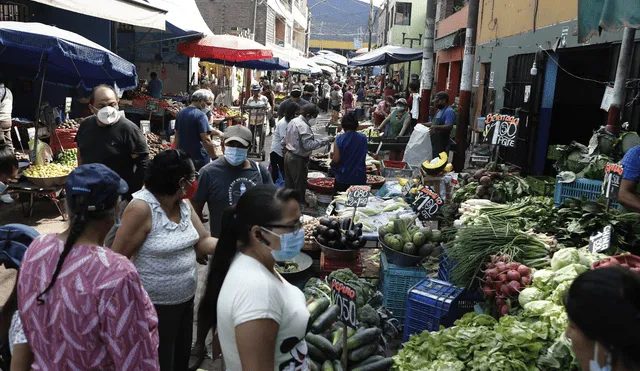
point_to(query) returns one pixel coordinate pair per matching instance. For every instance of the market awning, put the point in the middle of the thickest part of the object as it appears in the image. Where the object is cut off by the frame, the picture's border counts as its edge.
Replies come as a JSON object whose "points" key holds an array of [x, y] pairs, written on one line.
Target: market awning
{"points": [[183, 17], [270, 64], [323, 61], [609, 15], [228, 48], [328, 70], [387, 54], [334, 57], [449, 41], [133, 12]]}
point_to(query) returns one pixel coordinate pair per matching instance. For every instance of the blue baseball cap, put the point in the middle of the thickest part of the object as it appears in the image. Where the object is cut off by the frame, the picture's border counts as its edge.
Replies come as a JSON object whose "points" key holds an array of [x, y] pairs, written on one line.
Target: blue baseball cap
{"points": [[100, 185], [14, 240]]}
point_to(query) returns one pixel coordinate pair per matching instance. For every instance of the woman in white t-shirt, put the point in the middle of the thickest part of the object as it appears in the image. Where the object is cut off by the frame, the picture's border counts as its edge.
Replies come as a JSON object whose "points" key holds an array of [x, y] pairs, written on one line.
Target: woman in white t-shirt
{"points": [[260, 317]]}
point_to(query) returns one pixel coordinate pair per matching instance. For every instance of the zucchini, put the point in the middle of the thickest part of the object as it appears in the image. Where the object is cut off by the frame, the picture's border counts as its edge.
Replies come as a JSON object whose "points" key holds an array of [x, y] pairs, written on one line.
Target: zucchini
{"points": [[337, 366], [326, 319], [316, 308], [323, 345], [327, 366], [314, 366], [373, 358], [340, 341], [315, 353], [364, 337], [337, 335], [381, 365], [363, 352]]}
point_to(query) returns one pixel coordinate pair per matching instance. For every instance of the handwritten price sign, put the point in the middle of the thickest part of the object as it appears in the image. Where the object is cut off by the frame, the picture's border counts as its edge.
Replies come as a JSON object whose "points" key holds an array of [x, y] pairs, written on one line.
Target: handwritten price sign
{"points": [[358, 196], [601, 240], [428, 203], [612, 179], [344, 296]]}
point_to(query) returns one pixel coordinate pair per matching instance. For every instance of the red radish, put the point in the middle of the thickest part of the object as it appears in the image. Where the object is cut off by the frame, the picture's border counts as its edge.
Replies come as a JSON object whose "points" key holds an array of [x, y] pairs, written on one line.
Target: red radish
{"points": [[525, 280], [514, 287], [488, 292], [490, 265], [502, 278], [504, 310], [499, 301], [505, 290], [513, 266], [501, 266], [513, 275], [492, 273], [505, 258], [524, 270]]}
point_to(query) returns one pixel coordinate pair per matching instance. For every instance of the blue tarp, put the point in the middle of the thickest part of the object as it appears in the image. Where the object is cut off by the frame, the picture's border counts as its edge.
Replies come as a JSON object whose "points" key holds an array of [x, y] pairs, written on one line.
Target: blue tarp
{"points": [[609, 15], [271, 64], [387, 54], [71, 59]]}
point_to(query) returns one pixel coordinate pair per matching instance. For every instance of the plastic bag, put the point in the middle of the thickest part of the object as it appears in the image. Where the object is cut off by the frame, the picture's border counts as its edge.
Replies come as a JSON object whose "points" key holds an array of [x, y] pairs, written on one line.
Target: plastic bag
{"points": [[43, 155], [419, 147]]}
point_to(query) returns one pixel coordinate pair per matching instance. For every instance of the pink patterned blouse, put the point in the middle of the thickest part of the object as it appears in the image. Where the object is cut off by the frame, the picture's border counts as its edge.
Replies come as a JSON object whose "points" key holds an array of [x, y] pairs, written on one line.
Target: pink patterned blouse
{"points": [[96, 316]]}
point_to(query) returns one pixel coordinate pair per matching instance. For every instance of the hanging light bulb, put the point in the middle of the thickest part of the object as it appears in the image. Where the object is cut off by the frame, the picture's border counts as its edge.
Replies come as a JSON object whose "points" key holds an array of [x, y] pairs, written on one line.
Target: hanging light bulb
{"points": [[534, 69]]}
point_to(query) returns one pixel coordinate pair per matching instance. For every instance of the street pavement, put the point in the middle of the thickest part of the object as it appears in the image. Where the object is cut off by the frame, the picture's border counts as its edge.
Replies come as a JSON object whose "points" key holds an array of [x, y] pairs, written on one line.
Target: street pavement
{"points": [[46, 219]]}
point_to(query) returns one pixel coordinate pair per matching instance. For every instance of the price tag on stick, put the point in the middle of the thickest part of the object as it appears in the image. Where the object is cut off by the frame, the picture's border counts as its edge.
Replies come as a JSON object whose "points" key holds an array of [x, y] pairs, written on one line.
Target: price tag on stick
{"points": [[601, 241], [612, 179], [407, 187], [344, 296], [428, 203], [358, 196]]}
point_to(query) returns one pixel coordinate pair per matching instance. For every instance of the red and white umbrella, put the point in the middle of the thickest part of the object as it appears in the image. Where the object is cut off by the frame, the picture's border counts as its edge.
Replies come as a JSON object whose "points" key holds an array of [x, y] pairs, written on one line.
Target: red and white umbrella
{"points": [[225, 47]]}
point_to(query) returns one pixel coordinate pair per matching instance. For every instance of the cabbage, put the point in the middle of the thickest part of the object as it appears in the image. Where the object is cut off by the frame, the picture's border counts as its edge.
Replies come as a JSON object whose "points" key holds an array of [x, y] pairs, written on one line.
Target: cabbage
{"points": [[538, 307], [587, 258], [569, 273], [530, 294], [564, 257], [542, 278], [557, 296]]}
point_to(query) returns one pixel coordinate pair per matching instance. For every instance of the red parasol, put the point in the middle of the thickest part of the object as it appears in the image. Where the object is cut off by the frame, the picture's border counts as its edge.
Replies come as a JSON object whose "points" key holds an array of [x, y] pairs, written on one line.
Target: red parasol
{"points": [[225, 47]]}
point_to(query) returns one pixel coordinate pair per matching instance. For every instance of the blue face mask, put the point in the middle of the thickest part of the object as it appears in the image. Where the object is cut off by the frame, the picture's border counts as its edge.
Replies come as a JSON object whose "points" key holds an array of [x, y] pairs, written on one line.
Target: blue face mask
{"points": [[290, 245], [235, 156]]}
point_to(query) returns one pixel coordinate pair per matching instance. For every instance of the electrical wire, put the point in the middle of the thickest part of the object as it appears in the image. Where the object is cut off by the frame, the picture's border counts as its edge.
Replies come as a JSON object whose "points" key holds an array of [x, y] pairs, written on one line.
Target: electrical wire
{"points": [[608, 83]]}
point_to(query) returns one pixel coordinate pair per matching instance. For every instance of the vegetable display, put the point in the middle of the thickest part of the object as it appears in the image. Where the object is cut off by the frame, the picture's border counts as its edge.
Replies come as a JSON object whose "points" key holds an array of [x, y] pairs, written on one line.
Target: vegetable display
{"points": [[402, 234], [329, 234], [503, 281]]}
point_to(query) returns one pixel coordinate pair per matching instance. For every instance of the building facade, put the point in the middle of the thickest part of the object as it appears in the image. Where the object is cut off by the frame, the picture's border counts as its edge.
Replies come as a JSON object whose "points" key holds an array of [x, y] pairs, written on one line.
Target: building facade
{"points": [[529, 62], [277, 23], [449, 47]]}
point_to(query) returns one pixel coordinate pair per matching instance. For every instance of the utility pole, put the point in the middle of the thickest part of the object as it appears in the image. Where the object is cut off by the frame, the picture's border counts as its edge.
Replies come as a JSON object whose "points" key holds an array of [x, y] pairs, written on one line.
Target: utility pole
{"points": [[387, 23], [622, 73], [428, 62], [465, 86], [370, 22]]}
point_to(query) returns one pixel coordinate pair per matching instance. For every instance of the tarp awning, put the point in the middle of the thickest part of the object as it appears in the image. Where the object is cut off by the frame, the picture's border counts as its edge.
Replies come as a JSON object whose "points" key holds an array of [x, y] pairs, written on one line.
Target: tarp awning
{"points": [[270, 64], [183, 17], [449, 41], [133, 12], [609, 15], [387, 54]]}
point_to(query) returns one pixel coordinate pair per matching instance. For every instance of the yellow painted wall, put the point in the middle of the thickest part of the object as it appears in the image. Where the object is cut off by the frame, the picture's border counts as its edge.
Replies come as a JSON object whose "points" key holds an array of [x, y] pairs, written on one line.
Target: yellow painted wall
{"points": [[502, 18], [331, 44]]}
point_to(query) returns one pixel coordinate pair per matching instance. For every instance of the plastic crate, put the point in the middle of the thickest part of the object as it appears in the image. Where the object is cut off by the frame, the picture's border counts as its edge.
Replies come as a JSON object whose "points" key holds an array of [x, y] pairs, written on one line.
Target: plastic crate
{"points": [[433, 303], [395, 283], [445, 266], [589, 188], [328, 265], [396, 169], [63, 139], [542, 185]]}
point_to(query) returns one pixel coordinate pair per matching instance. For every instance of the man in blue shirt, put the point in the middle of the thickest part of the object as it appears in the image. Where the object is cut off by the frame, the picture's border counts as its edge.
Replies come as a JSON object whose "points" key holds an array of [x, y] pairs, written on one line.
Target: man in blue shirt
{"points": [[192, 129], [442, 124], [155, 86], [627, 195]]}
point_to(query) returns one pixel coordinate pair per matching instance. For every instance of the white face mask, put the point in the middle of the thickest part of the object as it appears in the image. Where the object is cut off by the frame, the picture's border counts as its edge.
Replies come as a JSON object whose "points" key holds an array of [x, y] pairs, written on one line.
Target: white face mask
{"points": [[595, 366], [108, 115]]}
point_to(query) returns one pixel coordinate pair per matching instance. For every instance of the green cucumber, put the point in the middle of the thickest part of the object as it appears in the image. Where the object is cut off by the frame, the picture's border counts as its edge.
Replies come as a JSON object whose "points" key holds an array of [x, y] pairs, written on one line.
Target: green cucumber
{"points": [[327, 366], [337, 335], [364, 337], [326, 319], [316, 308], [315, 366], [315, 353], [374, 358], [337, 366], [323, 345], [363, 352], [383, 364]]}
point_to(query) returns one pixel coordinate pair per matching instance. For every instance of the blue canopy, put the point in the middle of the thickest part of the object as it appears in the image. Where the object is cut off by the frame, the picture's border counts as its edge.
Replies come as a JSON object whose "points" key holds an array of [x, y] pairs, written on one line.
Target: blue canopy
{"points": [[387, 54], [70, 59], [270, 64]]}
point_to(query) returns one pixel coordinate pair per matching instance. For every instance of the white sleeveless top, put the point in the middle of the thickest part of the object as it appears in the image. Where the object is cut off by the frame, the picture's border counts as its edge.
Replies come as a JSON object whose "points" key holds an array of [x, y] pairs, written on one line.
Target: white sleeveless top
{"points": [[166, 261]]}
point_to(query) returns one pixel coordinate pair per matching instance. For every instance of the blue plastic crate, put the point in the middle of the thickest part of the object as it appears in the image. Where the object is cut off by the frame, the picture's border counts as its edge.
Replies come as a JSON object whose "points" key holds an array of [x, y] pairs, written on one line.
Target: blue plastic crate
{"points": [[445, 266], [430, 303], [395, 283], [589, 188]]}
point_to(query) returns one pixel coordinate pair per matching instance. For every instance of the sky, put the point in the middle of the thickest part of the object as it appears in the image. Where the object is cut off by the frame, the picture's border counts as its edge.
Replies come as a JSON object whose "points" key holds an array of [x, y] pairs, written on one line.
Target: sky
{"points": [[375, 2]]}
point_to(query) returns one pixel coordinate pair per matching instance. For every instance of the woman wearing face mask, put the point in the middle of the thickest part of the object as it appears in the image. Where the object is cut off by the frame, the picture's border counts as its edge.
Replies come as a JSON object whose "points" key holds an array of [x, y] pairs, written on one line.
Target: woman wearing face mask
{"points": [[260, 317], [399, 120], [83, 306], [299, 143], [603, 306], [162, 235]]}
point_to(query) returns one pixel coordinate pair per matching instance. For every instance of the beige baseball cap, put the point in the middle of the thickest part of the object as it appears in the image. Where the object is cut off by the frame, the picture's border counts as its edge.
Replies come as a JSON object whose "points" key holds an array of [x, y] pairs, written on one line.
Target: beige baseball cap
{"points": [[238, 133]]}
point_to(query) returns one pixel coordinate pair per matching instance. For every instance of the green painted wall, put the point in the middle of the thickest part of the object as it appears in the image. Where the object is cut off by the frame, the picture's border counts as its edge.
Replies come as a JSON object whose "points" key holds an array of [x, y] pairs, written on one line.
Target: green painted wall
{"points": [[414, 30]]}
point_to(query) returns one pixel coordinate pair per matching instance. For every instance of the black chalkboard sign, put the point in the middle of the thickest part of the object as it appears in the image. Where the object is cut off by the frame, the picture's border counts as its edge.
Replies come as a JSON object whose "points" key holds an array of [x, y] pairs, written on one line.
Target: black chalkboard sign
{"points": [[358, 196]]}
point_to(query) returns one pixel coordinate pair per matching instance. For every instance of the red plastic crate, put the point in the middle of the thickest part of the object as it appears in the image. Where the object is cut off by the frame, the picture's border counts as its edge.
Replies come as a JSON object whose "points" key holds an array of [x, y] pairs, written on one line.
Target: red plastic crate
{"points": [[328, 265], [63, 137], [395, 164]]}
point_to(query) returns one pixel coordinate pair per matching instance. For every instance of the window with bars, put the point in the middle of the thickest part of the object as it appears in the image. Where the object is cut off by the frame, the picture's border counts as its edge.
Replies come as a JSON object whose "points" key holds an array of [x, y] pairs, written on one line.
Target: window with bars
{"points": [[14, 12]]}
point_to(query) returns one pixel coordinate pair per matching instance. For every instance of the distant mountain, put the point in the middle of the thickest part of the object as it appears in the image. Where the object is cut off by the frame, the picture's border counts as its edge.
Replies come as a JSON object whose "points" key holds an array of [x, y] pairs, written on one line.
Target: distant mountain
{"points": [[341, 20]]}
